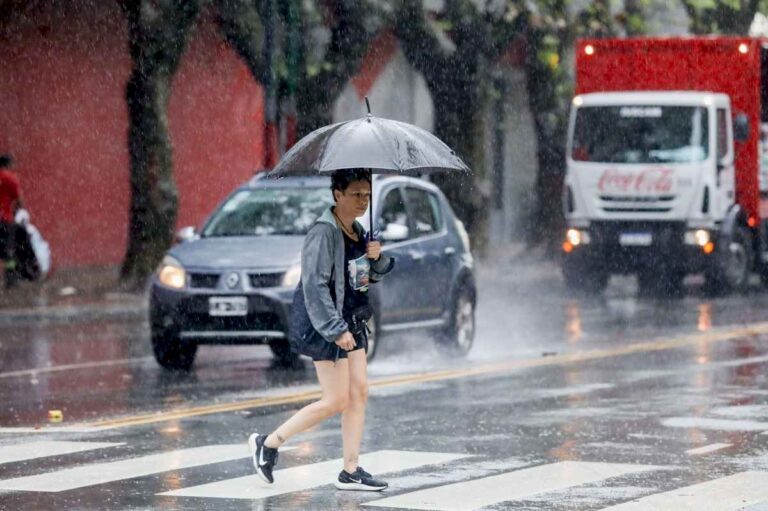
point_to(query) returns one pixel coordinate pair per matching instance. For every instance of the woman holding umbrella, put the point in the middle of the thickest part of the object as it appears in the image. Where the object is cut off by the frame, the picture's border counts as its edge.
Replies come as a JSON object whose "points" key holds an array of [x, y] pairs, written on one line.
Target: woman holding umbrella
{"points": [[329, 312]]}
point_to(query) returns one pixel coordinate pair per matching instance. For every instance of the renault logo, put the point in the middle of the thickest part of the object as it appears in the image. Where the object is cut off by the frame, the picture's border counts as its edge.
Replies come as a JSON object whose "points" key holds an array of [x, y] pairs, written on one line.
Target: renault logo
{"points": [[233, 279]]}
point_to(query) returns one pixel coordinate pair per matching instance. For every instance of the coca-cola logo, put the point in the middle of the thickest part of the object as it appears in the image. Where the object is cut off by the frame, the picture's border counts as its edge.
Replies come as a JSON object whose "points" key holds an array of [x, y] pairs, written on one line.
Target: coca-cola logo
{"points": [[658, 180]]}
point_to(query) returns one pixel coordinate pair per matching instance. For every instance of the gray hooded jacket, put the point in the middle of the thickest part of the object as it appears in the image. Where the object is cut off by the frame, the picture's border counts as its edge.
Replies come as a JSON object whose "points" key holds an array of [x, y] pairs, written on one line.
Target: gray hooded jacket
{"points": [[323, 252]]}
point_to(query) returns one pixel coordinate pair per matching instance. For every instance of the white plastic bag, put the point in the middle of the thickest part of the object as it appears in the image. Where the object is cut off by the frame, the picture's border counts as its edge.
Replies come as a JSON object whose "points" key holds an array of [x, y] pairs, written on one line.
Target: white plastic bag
{"points": [[41, 248]]}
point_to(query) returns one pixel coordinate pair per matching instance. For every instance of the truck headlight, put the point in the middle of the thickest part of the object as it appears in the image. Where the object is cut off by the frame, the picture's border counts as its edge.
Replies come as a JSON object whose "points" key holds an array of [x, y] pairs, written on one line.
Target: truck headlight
{"points": [[699, 237], [292, 276], [576, 237], [171, 273]]}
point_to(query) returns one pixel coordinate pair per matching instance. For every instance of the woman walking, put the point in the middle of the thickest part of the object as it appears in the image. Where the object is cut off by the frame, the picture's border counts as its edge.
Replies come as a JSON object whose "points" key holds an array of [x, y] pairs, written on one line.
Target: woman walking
{"points": [[330, 308]]}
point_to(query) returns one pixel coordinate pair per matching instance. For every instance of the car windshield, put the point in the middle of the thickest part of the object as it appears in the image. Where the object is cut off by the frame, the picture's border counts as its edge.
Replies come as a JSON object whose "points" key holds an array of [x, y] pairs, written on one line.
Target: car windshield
{"points": [[269, 211], [641, 134]]}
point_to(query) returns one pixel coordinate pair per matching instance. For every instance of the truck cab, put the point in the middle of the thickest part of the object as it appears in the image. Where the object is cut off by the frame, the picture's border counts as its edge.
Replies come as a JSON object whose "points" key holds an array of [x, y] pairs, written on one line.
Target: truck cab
{"points": [[661, 182]]}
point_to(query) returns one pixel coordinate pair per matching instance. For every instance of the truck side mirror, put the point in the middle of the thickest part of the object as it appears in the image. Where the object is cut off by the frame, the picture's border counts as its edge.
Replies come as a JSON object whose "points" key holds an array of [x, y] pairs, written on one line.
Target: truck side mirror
{"points": [[741, 128]]}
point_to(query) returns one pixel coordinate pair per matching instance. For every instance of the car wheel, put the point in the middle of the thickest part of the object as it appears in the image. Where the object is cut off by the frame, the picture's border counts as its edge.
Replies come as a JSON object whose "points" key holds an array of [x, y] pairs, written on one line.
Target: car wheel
{"points": [[373, 339], [171, 352], [282, 352], [457, 339]]}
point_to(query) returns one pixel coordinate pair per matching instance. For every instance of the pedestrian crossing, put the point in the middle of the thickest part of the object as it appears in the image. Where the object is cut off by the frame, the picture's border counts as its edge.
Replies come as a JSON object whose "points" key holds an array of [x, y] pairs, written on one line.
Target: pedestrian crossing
{"points": [[435, 490]]}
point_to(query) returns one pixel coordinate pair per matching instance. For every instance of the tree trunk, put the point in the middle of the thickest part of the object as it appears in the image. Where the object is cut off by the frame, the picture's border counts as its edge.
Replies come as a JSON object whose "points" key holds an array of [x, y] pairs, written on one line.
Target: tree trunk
{"points": [[455, 82], [316, 92], [158, 36]]}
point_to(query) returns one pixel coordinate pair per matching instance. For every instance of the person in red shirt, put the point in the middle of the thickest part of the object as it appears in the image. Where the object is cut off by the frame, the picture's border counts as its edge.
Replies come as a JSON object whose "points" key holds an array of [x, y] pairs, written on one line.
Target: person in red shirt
{"points": [[10, 203]]}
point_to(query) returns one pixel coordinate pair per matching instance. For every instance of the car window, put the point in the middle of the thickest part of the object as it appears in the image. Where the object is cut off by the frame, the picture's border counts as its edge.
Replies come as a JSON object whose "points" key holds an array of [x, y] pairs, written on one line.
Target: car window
{"points": [[393, 210], [269, 211], [425, 209]]}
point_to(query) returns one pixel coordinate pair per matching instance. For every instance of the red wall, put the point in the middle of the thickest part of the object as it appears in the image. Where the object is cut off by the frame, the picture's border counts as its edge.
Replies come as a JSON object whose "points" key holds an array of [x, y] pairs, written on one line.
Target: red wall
{"points": [[64, 119]]}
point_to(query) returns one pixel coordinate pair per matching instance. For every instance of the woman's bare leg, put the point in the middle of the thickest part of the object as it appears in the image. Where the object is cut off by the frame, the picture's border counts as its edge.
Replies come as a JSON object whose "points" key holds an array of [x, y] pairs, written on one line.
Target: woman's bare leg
{"points": [[353, 416], [334, 380]]}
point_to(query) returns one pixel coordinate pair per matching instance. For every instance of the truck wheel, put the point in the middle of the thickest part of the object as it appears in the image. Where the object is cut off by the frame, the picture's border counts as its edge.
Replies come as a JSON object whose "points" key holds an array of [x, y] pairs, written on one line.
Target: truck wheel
{"points": [[171, 352], [458, 337], [281, 350], [732, 265], [580, 278]]}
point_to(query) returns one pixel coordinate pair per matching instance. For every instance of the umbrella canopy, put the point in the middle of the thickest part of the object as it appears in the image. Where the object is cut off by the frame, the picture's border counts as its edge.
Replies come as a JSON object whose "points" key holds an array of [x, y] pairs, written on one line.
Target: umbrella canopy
{"points": [[382, 145]]}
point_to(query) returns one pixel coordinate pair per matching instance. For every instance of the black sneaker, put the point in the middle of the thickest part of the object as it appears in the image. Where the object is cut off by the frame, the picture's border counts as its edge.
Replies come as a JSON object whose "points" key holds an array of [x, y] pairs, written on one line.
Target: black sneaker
{"points": [[359, 480], [264, 458]]}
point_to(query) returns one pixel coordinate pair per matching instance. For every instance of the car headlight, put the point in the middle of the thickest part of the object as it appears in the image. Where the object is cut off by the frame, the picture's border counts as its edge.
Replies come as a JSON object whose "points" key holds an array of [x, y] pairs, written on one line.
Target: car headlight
{"points": [[292, 276], [171, 273]]}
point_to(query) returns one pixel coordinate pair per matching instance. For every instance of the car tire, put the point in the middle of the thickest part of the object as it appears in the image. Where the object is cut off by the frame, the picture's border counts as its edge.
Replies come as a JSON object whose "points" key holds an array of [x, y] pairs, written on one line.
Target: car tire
{"points": [[373, 339], [457, 339], [284, 356], [171, 352]]}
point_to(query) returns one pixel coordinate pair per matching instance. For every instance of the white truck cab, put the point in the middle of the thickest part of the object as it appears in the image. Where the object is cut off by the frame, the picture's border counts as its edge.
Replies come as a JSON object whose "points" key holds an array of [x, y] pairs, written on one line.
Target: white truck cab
{"points": [[649, 189]]}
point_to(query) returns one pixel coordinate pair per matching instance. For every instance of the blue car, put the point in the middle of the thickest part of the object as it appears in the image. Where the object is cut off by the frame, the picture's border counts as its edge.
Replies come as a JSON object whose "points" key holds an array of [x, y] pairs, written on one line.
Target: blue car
{"points": [[233, 282]]}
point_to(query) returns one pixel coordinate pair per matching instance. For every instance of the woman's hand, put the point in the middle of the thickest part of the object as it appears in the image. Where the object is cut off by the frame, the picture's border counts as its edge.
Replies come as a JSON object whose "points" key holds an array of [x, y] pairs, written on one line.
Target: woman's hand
{"points": [[346, 341], [373, 250]]}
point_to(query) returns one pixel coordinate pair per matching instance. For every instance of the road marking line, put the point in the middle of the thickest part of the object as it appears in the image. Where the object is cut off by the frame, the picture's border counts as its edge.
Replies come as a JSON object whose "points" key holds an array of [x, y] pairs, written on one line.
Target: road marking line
{"points": [[725, 494], [70, 367], [715, 424], [516, 485], [100, 473], [712, 336], [707, 449], [310, 476], [42, 449]]}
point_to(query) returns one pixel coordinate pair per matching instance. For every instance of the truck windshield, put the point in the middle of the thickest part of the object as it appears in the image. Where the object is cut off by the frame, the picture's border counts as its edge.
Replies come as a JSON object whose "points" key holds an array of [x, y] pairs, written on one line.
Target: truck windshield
{"points": [[269, 211], [641, 134]]}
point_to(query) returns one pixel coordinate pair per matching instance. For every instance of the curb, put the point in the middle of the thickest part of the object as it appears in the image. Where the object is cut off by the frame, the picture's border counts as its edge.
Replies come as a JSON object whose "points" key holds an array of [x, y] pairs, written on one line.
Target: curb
{"points": [[73, 313]]}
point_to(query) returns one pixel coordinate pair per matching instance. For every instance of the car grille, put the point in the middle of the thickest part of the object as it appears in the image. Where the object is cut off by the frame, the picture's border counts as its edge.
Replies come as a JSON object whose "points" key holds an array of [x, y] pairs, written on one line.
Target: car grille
{"points": [[203, 280], [265, 279], [251, 322]]}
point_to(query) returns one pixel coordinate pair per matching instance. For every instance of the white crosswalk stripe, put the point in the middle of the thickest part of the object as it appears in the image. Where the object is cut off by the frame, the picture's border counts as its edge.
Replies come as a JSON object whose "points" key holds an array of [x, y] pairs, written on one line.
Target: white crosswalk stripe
{"points": [[714, 424], [310, 476], [725, 494], [706, 449], [32, 450], [100, 473], [519, 484]]}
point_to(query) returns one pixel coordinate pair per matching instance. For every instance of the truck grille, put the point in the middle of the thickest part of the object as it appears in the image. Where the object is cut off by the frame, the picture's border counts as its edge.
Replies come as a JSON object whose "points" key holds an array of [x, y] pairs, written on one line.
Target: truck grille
{"points": [[644, 204]]}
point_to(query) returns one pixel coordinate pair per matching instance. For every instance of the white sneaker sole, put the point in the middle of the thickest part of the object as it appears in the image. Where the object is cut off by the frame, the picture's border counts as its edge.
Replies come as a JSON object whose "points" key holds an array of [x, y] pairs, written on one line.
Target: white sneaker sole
{"points": [[252, 446], [358, 487]]}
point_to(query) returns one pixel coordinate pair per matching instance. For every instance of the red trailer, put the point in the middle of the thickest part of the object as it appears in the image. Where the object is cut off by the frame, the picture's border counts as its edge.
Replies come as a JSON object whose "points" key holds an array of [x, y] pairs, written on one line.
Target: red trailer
{"points": [[664, 161]]}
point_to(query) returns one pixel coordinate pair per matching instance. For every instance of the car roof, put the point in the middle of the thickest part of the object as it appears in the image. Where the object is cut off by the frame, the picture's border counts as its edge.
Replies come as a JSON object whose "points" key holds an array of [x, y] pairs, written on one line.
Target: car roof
{"points": [[261, 180]]}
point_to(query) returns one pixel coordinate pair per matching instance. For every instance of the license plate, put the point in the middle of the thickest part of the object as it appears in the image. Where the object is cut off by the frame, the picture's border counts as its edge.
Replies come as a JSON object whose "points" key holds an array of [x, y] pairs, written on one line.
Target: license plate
{"points": [[228, 306], [635, 239]]}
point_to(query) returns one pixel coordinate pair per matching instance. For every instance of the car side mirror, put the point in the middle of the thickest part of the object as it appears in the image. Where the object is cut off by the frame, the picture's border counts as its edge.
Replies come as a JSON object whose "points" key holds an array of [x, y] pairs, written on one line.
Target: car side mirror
{"points": [[741, 128], [395, 232], [186, 234]]}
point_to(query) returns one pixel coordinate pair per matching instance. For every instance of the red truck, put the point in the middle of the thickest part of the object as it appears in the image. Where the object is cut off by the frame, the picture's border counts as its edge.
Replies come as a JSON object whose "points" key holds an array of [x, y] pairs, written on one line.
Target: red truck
{"points": [[666, 162]]}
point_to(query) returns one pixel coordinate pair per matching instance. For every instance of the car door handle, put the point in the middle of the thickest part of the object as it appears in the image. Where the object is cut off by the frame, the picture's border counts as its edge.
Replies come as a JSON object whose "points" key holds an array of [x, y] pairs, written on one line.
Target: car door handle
{"points": [[416, 256], [449, 251]]}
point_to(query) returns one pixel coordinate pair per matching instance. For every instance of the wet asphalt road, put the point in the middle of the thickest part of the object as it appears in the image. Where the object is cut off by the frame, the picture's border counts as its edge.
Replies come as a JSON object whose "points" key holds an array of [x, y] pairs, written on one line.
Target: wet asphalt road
{"points": [[565, 402]]}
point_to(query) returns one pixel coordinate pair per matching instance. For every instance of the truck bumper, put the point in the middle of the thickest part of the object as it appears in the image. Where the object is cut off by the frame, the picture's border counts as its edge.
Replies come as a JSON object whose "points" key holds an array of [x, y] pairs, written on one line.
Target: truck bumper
{"points": [[630, 247]]}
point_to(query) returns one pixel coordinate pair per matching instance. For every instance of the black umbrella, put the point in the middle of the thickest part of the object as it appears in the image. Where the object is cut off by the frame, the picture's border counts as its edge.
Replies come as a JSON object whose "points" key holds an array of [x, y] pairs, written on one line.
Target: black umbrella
{"points": [[382, 145]]}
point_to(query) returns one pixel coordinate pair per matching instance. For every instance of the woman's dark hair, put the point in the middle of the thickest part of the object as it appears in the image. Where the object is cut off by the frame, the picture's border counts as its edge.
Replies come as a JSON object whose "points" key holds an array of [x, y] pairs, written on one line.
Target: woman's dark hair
{"points": [[6, 161], [341, 179]]}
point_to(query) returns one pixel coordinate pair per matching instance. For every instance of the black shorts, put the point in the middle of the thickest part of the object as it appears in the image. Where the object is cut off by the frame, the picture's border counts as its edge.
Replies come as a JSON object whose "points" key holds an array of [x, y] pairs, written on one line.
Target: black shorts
{"points": [[333, 352], [6, 240]]}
